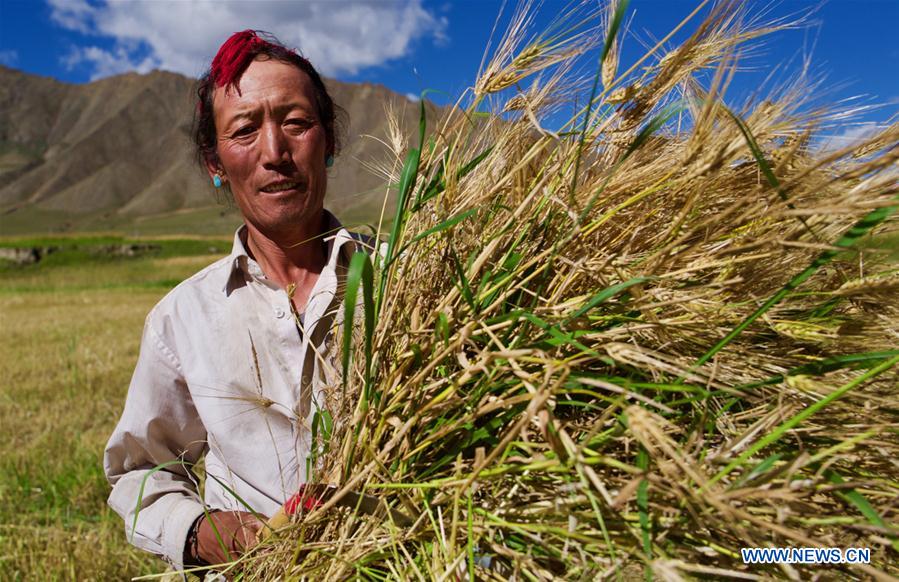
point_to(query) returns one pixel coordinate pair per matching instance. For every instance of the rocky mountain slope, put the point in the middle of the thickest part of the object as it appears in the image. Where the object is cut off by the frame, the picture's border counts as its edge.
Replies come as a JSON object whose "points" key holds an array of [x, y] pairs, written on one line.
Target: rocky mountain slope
{"points": [[116, 152]]}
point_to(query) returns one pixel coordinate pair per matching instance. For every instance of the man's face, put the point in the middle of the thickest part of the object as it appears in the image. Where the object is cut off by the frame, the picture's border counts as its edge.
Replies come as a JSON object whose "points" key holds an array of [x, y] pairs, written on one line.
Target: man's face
{"points": [[272, 147]]}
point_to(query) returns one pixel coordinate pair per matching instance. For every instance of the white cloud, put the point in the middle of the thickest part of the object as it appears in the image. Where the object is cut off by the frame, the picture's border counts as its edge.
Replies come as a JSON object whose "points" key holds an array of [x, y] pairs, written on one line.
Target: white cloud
{"points": [[849, 136], [182, 35], [413, 97], [9, 57], [106, 63], [72, 14]]}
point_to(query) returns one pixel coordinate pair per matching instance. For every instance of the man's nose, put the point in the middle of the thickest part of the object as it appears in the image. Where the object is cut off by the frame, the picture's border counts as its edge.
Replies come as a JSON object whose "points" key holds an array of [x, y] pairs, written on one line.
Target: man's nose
{"points": [[275, 150]]}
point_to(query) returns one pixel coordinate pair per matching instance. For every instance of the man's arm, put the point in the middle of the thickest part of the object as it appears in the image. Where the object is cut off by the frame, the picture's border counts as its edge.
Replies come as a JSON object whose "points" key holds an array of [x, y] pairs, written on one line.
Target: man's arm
{"points": [[148, 458]]}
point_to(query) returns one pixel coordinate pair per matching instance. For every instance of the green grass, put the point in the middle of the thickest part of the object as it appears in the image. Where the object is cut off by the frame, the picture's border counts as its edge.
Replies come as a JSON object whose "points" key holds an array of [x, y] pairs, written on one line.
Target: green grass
{"points": [[71, 336], [887, 242], [84, 263], [216, 220], [213, 220]]}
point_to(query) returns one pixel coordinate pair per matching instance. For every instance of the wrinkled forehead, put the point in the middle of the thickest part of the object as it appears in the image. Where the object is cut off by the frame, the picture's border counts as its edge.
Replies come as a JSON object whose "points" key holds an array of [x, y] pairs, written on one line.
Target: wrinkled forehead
{"points": [[266, 83]]}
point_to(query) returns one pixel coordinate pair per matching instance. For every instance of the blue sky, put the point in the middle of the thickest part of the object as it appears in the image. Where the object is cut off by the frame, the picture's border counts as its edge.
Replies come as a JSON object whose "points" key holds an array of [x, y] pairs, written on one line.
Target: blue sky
{"points": [[411, 45]]}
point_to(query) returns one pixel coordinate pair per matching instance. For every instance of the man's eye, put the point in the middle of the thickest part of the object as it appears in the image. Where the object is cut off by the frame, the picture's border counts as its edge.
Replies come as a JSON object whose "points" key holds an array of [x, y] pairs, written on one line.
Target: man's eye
{"points": [[299, 123], [244, 131]]}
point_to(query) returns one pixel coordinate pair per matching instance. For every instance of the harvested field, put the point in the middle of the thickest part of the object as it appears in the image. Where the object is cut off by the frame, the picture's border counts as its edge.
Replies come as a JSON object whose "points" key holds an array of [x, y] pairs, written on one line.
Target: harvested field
{"points": [[71, 333]]}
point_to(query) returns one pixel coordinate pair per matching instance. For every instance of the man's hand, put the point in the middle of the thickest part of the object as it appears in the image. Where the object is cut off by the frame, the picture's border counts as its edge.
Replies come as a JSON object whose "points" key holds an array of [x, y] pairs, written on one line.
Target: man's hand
{"points": [[238, 531]]}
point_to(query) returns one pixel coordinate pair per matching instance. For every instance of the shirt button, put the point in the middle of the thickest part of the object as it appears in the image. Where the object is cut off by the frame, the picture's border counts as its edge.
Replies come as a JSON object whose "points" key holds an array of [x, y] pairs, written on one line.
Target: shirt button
{"points": [[279, 313]]}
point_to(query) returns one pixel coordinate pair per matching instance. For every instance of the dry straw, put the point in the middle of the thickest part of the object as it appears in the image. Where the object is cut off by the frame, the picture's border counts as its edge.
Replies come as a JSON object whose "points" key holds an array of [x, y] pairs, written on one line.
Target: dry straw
{"points": [[627, 348]]}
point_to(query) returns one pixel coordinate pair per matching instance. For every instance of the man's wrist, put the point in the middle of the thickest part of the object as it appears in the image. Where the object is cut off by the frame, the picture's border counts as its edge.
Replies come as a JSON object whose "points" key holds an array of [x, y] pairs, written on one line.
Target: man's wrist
{"points": [[192, 543]]}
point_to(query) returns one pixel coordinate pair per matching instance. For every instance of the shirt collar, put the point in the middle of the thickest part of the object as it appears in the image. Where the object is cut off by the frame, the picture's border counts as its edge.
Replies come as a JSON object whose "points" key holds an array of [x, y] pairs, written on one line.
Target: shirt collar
{"points": [[339, 242]]}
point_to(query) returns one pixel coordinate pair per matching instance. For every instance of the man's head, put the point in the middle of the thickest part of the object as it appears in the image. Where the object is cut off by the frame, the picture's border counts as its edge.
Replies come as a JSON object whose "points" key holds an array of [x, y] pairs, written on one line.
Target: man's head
{"points": [[266, 127], [229, 64]]}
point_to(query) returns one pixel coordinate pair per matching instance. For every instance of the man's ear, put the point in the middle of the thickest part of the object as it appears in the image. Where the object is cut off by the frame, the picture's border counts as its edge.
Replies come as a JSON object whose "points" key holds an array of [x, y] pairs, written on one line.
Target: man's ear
{"points": [[214, 166]]}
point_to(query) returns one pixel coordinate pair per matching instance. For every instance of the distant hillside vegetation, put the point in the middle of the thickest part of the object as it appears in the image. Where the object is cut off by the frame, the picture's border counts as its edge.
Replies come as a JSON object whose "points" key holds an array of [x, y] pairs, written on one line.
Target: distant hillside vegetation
{"points": [[116, 154]]}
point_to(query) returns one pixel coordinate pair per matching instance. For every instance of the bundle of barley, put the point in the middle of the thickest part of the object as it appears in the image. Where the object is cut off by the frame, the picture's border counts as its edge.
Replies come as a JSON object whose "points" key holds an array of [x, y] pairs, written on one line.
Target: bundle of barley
{"points": [[636, 344]]}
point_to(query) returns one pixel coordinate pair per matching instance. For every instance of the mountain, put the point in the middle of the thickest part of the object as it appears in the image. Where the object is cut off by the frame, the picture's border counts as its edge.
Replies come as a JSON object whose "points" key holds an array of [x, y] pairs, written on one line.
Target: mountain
{"points": [[116, 154]]}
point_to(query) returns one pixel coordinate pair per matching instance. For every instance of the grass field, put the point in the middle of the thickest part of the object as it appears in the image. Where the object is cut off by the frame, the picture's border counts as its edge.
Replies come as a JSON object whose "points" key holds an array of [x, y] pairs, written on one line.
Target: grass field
{"points": [[217, 220], [71, 332]]}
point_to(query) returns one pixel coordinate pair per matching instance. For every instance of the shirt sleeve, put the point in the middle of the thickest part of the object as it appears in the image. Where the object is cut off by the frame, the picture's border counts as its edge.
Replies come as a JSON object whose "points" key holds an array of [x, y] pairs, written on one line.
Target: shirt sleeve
{"points": [[149, 457]]}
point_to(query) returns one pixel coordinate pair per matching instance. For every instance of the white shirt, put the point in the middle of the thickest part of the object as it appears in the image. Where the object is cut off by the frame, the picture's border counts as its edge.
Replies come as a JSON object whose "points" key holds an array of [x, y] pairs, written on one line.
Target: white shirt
{"points": [[196, 390]]}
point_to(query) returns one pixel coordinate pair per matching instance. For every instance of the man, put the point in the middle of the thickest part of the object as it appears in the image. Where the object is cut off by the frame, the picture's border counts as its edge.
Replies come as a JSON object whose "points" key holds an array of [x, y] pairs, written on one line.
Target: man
{"points": [[234, 361]]}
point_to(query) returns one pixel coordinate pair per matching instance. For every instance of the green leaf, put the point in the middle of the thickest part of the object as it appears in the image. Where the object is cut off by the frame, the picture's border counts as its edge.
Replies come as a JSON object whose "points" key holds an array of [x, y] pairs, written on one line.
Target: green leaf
{"points": [[327, 426], [218, 535], [313, 450], [556, 333], [143, 483], [446, 224], [606, 294], [470, 544], [442, 327], [759, 469], [464, 285], [858, 500], [846, 241], [824, 366], [588, 114], [801, 416], [437, 184], [643, 508], [407, 180], [359, 272], [765, 166], [613, 29], [657, 122], [236, 496]]}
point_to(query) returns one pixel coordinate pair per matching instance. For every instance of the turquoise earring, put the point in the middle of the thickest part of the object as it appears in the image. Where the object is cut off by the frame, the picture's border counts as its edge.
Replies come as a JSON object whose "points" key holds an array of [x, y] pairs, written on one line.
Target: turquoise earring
{"points": [[217, 181], [329, 161]]}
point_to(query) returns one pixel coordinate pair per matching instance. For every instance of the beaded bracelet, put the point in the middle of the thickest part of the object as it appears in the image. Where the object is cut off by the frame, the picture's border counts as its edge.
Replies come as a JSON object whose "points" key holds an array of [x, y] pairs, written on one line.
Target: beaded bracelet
{"points": [[192, 544]]}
